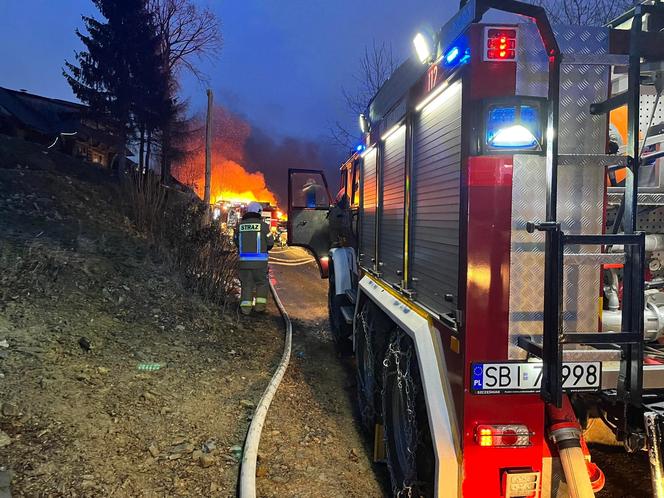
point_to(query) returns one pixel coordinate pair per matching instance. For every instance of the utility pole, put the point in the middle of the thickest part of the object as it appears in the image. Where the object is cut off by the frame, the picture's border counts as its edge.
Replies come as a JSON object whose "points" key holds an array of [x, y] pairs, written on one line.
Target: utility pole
{"points": [[208, 156]]}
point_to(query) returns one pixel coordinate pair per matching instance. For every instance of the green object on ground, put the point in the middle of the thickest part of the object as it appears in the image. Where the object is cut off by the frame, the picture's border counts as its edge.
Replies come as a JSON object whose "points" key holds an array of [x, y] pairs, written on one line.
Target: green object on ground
{"points": [[236, 451], [149, 367]]}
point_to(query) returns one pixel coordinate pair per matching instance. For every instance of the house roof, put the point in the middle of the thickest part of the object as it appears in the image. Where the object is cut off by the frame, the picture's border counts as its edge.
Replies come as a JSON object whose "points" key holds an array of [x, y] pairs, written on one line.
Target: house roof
{"points": [[42, 114]]}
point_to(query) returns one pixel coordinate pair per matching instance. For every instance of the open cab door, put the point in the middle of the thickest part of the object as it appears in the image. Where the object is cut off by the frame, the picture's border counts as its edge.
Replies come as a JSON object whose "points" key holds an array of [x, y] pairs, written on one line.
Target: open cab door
{"points": [[308, 206]]}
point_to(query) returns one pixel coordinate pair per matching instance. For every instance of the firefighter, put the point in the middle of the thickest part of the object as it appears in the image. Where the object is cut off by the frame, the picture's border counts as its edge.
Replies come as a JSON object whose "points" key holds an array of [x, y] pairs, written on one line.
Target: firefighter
{"points": [[253, 240]]}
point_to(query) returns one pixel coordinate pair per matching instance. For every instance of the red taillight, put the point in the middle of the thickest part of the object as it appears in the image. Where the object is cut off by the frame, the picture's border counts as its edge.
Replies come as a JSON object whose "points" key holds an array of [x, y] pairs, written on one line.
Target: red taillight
{"points": [[503, 435], [500, 44]]}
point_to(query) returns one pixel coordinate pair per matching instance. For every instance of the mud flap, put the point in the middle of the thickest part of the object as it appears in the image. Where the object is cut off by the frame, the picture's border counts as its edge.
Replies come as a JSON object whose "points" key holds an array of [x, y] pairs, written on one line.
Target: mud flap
{"points": [[344, 268]]}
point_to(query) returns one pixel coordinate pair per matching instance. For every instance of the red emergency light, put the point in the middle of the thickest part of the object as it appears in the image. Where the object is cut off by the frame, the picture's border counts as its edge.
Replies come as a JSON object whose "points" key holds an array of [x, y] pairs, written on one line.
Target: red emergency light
{"points": [[500, 44]]}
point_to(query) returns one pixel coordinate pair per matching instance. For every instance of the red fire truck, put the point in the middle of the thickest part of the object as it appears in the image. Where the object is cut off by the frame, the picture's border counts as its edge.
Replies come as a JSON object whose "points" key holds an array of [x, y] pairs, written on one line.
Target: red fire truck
{"points": [[506, 285]]}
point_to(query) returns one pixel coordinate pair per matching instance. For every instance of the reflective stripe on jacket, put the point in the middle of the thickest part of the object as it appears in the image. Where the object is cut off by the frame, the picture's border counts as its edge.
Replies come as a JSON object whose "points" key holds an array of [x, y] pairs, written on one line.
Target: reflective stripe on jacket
{"points": [[253, 238]]}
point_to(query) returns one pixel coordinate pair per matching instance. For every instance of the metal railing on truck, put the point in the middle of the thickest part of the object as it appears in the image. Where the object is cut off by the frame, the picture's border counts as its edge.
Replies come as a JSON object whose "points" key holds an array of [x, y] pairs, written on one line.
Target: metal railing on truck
{"points": [[631, 340]]}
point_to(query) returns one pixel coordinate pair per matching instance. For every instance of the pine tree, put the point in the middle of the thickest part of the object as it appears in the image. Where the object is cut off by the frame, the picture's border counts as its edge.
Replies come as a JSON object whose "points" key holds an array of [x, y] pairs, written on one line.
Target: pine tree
{"points": [[118, 67]]}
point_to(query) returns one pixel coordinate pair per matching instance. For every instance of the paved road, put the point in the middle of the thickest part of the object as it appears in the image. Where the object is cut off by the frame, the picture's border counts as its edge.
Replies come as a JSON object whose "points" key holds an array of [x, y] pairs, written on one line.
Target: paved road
{"points": [[319, 396]]}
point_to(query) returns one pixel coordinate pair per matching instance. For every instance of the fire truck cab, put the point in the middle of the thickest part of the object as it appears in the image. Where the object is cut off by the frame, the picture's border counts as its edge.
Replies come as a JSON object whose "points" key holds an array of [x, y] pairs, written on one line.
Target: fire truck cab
{"points": [[505, 281]]}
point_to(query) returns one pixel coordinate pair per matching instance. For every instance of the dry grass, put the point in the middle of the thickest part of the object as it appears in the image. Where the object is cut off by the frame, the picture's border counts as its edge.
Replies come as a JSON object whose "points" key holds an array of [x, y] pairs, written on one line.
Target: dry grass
{"points": [[176, 223], [145, 198]]}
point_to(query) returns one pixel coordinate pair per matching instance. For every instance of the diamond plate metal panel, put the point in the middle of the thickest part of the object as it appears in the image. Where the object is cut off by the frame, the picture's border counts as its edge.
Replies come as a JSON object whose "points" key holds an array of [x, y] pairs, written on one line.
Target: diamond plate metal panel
{"points": [[532, 68], [595, 259], [644, 199], [580, 183], [582, 40], [527, 250], [580, 85], [580, 206], [580, 132], [592, 160]]}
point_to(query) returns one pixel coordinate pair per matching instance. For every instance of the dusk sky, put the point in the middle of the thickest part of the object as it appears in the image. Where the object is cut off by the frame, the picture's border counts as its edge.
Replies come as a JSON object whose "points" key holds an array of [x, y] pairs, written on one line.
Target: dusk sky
{"points": [[282, 65]]}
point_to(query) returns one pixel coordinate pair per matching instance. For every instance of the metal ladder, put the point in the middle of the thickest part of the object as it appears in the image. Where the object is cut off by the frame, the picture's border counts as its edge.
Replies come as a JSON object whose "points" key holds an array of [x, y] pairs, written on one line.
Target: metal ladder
{"points": [[630, 340]]}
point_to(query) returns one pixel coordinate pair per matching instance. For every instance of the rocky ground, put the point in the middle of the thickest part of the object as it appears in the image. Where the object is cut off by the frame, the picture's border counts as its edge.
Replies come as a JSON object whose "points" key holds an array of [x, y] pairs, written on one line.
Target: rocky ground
{"points": [[84, 302]]}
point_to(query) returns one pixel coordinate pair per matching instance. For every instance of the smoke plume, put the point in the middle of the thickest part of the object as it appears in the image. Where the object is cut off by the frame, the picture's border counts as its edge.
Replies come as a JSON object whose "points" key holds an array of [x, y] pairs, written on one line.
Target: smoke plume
{"points": [[248, 163]]}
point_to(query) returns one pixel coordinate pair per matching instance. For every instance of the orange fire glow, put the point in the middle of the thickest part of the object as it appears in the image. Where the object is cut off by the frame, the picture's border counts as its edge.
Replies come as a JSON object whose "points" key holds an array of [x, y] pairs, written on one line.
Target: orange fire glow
{"points": [[230, 181]]}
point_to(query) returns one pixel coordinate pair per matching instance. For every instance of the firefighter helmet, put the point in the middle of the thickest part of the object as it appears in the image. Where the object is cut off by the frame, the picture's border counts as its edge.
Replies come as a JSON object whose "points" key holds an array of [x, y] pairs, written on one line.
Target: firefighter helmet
{"points": [[254, 207]]}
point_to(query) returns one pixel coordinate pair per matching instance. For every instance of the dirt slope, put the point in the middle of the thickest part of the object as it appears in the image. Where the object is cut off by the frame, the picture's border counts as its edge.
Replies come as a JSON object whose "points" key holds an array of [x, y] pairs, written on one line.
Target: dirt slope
{"points": [[90, 423]]}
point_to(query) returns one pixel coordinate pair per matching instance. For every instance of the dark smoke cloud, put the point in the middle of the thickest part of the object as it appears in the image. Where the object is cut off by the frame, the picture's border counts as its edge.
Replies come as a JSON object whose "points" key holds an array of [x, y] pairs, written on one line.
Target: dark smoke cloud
{"points": [[273, 157]]}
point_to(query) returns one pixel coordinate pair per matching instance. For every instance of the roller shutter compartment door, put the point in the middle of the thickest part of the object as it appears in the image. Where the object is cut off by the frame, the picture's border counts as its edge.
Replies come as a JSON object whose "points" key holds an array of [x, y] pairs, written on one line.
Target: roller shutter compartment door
{"points": [[390, 233], [368, 211], [434, 267]]}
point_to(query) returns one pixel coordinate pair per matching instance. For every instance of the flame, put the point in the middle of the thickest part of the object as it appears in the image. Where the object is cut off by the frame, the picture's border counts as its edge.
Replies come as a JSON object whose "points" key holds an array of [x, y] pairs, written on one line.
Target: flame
{"points": [[230, 181]]}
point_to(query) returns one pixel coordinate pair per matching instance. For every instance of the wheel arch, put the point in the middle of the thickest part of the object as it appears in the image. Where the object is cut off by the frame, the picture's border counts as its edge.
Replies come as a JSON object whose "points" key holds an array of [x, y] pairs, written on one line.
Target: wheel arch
{"points": [[440, 404]]}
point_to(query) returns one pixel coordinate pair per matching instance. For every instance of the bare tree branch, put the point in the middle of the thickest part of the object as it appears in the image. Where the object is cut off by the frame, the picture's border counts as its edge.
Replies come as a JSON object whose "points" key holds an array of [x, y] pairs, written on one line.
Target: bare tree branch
{"points": [[374, 68], [188, 34], [584, 12]]}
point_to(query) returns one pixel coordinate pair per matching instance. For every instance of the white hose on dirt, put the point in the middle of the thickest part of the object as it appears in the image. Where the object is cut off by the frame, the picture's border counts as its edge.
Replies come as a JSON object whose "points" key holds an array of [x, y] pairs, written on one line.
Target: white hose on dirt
{"points": [[287, 262], [247, 488]]}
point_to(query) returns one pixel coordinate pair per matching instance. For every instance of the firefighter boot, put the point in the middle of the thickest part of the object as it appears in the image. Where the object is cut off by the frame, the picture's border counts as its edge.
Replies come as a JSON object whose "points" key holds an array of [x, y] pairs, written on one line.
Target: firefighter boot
{"points": [[261, 290], [247, 291]]}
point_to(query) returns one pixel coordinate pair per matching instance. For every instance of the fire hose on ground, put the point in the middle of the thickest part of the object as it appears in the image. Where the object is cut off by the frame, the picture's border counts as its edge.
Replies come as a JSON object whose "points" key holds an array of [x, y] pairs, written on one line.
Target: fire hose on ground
{"points": [[288, 262], [247, 483]]}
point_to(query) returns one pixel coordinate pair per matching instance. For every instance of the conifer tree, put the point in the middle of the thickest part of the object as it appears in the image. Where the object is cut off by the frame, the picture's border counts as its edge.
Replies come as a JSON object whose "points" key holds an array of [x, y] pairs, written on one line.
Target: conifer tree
{"points": [[115, 73]]}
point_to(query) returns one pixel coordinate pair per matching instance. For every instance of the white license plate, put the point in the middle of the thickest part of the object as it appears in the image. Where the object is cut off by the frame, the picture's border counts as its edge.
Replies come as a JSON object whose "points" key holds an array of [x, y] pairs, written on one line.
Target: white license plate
{"points": [[526, 377]]}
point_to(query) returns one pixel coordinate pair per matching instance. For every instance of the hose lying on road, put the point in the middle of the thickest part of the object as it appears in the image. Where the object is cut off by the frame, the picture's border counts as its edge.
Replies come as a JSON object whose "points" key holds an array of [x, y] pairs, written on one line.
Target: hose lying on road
{"points": [[290, 262], [247, 488]]}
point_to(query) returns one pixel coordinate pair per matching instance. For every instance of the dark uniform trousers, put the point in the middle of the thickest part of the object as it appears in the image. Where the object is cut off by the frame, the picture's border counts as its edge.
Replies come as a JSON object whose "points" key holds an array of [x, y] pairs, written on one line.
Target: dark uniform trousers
{"points": [[254, 283], [254, 240]]}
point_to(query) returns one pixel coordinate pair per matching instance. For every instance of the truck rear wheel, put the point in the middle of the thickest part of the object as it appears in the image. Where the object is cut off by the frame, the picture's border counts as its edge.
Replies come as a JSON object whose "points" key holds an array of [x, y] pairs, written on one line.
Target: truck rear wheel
{"points": [[408, 444], [369, 350], [341, 331]]}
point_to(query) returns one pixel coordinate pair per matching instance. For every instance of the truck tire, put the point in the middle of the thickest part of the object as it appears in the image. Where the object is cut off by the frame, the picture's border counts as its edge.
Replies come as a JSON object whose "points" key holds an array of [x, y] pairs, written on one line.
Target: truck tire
{"points": [[372, 329], [408, 445], [341, 331]]}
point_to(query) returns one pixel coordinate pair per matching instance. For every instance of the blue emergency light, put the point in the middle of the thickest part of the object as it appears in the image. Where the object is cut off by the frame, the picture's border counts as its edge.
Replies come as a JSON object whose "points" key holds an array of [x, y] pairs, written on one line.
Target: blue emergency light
{"points": [[456, 56], [451, 56], [514, 127]]}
